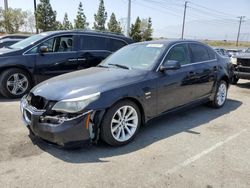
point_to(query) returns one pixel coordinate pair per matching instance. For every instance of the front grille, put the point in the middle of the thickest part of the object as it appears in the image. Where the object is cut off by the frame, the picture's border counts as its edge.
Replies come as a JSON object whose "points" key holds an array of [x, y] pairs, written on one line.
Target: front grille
{"points": [[243, 62]]}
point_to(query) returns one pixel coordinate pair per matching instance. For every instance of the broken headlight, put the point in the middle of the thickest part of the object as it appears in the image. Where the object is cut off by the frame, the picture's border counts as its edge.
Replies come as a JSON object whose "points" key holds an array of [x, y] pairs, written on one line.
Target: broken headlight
{"points": [[76, 104]]}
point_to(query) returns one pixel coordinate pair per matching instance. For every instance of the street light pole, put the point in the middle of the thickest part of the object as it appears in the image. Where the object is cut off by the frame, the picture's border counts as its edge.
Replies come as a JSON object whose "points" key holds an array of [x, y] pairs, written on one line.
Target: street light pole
{"points": [[184, 18], [5, 5], [35, 15], [129, 17]]}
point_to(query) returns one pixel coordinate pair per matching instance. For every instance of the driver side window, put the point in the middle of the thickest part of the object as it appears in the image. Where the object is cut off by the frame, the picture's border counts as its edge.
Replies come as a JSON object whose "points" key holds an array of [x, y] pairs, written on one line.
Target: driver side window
{"points": [[56, 44], [179, 53]]}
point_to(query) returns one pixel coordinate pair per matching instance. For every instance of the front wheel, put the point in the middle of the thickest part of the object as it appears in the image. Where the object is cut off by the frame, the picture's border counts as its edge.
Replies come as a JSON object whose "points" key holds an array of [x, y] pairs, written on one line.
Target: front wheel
{"points": [[220, 95], [121, 123]]}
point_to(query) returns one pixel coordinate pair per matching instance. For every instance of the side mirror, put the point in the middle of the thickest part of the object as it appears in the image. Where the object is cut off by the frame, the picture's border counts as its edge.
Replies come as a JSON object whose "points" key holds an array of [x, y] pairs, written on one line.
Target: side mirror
{"points": [[43, 49], [170, 65]]}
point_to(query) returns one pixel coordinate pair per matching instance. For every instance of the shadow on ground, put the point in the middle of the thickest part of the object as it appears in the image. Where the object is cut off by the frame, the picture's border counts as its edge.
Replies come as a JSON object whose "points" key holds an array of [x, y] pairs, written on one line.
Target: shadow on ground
{"points": [[4, 99], [245, 85], [156, 130]]}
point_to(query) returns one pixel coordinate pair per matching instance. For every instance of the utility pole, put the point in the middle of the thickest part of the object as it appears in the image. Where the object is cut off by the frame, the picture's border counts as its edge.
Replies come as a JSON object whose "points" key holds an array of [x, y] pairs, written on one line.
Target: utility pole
{"points": [[35, 15], [238, 36], [5, 5], [184, 18], [129, 17]]}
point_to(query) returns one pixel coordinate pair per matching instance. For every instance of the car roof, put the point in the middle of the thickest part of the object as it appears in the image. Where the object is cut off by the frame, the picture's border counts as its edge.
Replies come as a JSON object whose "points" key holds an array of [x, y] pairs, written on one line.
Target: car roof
{"points": [[171, 41], [102, 33], [9, 40]]}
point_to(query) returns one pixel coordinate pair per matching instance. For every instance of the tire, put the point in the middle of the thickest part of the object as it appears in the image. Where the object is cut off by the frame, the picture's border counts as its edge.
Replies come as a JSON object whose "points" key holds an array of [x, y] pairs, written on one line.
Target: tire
{"points": [[123, 131], [234, 80], [14, 83], [220, 96]]}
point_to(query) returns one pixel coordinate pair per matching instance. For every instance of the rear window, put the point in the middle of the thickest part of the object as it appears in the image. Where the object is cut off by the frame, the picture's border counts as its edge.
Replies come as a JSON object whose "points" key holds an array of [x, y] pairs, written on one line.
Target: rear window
{"points": [[93, 43], [116, 44], [199, 53]]}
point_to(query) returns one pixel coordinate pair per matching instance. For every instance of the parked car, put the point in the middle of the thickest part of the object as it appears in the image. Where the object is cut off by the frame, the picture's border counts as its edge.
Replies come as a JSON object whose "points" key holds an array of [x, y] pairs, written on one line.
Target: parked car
{"points": [[241, 64], [49, 54], [130, 87], [8, 42], [233, 52], [222, 52], [14, 36]]}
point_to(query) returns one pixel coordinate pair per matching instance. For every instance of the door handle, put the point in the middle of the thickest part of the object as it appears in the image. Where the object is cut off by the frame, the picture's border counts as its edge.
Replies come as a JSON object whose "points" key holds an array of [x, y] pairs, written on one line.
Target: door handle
{"points": [[72, 59], [192, 73], [81, 59]]}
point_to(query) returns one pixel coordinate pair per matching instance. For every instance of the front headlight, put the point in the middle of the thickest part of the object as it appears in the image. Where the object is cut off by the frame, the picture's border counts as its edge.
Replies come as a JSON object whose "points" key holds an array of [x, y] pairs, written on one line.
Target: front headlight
{"points": [[76, 104], [234, 60]]}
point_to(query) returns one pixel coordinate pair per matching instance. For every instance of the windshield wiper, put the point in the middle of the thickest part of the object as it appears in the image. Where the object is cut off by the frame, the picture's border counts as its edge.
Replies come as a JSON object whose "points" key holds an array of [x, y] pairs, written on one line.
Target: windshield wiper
{"points": [[120, 66], [102, 66]]}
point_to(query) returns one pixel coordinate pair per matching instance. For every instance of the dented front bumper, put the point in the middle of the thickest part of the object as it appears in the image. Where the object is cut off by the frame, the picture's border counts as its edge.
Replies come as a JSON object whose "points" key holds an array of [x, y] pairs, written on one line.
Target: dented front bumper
{"points": [[60, 131]]}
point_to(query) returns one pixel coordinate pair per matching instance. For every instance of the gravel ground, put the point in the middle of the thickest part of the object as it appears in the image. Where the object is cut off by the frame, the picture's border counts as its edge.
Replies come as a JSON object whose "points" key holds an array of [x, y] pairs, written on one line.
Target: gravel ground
{"points": [[201, 147]]}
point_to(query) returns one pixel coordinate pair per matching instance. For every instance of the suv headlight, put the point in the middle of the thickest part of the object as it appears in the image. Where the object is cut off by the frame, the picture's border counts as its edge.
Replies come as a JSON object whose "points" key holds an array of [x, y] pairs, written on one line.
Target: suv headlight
{"points": [[76, 104], [234, 60]]}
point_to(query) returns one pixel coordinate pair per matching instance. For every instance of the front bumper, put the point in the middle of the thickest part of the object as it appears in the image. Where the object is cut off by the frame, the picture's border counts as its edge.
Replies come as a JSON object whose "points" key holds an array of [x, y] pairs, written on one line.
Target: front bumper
{"points": [[66, 132], [242, 75]]}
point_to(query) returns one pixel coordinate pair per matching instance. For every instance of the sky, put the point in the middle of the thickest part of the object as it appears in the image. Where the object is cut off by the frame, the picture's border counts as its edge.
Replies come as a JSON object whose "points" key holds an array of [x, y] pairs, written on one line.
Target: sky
{"points": [[205, 19]]}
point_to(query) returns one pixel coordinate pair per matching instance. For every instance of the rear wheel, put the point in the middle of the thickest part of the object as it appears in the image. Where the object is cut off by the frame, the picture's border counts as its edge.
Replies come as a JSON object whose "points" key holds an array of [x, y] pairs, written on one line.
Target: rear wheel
{"points": [[220, 95], [121, 123], [14, 83]]}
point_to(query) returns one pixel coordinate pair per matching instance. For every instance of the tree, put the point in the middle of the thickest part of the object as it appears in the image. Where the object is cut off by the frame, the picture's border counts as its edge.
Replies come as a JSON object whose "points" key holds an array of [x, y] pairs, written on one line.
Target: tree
{"points": [[66, 25], [147, 29], [81, 20], [46, 17], [11, 20], [100, 17], [29, 22], [135, 32], [114, 25]]}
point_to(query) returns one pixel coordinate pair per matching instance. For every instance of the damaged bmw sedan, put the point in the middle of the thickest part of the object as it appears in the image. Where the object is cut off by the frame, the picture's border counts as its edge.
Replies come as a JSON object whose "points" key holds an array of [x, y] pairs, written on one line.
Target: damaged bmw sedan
{"points": [[130, 87]]}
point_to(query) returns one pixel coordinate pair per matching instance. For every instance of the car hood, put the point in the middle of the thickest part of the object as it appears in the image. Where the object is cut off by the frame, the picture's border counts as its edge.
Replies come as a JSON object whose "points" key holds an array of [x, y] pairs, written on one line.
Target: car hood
{"points": [[243, 56], [86, 82], [7, 51]]}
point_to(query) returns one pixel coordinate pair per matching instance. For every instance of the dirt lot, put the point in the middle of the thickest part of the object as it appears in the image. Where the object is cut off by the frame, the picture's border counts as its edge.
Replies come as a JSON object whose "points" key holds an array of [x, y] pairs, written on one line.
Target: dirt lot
{"points": [[201, 147]]}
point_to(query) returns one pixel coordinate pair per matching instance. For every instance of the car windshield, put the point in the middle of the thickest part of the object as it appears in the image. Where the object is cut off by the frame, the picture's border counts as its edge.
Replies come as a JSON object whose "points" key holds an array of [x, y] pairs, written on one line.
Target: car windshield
{"points": [[139, 56], [247, 50], [28, 41]]}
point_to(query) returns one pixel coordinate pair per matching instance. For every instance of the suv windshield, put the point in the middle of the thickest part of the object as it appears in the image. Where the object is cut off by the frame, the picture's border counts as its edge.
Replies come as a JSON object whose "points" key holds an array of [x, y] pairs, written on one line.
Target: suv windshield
{"points": [[139, 56], [28, 41]]}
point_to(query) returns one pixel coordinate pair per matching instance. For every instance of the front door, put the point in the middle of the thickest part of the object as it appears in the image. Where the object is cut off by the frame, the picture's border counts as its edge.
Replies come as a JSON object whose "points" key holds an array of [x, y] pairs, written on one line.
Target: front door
{"points": [[176, 87], [61, 57]]}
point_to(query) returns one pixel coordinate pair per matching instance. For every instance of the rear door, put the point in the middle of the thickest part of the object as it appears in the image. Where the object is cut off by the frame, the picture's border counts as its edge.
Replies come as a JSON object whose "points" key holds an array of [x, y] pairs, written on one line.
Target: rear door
{"points": [[205, 69], [61, 57], [92, 50]]}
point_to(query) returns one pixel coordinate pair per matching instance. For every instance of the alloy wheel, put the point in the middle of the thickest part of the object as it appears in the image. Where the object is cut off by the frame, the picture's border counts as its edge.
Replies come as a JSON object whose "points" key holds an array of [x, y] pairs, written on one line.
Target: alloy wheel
{"points": [[124, 123], [17, 84], [221, 94]]}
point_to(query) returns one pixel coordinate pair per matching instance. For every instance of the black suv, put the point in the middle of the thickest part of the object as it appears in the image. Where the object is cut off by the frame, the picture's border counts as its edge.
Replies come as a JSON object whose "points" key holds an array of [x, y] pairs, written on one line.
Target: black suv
{"points": [[49, 54], [241, 66]]}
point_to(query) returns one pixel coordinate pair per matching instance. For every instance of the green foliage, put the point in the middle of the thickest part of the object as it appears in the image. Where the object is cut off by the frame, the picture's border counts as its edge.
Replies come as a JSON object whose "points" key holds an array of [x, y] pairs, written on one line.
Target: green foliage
{"points": [[80, 21], [147, 31], [141, 30], [66, 25], [46, 17], [135, 32], [11, 20], [114, 25], [100, 18]]}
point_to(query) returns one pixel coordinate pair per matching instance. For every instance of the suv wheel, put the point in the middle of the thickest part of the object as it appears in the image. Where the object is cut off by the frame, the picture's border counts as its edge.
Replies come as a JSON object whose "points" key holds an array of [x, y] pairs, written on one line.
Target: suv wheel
{"points": [[220, 95], [121, 123], [14, 83]]}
